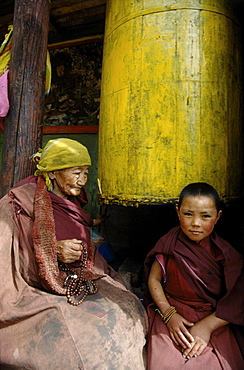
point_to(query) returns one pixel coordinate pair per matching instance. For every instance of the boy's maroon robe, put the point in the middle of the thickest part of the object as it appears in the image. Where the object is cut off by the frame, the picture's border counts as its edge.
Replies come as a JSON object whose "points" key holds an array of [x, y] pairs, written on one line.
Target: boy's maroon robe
{"points": [[195, 278]]}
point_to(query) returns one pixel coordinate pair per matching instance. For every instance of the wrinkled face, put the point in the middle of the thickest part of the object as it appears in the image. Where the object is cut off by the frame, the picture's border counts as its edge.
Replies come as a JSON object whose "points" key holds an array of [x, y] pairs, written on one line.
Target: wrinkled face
{"points": [[197, 216], [69, 181]]}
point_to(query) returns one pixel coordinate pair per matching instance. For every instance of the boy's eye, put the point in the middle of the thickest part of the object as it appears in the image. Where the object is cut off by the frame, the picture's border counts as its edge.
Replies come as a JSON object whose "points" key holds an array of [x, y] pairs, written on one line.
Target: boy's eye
{"points": [[206, 216], [187, 214]]}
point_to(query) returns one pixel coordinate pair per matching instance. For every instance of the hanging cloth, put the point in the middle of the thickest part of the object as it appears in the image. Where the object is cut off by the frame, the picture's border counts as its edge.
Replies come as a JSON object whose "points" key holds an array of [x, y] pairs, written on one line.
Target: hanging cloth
{"points": [[5, 53], [4, 68], [4, 102]]}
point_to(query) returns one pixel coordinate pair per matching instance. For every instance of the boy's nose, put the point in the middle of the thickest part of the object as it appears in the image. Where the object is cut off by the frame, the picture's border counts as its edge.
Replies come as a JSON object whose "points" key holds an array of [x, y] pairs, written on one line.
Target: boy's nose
{"points": [[196, 221]]}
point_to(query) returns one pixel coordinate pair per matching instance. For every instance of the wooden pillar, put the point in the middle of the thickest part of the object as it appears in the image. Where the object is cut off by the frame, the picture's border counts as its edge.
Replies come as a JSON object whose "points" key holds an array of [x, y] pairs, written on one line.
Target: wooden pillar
{"points": [[23, 125]]}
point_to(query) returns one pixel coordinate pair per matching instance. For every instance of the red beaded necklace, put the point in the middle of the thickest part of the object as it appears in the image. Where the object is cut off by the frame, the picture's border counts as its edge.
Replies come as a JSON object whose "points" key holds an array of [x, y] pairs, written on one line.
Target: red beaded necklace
{"points": [[75, 283]]}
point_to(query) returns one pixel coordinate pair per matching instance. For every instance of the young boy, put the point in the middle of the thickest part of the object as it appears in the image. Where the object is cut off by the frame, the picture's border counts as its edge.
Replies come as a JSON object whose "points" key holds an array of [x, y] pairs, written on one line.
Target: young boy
{"points": [[194, 282]]}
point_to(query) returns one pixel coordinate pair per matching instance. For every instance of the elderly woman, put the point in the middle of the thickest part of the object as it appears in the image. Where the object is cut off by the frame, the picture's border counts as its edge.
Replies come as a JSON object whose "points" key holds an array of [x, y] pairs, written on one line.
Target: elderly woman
{"points": [[61, 305]]}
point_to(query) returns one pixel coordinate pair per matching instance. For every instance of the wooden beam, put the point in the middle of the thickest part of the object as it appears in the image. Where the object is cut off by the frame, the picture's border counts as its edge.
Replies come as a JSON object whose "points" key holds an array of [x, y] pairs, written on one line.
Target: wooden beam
{"points": [[85, 16], [75, 129], [23, 124], [75, 6], [72, 129], [83, 40]]}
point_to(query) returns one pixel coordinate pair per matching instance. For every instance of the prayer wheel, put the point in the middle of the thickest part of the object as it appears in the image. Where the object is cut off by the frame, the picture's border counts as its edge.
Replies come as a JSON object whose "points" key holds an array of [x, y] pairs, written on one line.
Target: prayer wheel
{"points": [[171, 96]]}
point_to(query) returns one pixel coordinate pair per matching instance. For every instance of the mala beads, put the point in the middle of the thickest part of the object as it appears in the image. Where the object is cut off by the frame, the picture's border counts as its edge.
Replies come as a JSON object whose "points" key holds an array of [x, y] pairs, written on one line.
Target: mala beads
{"points": [[76, 285], [168, 314]]}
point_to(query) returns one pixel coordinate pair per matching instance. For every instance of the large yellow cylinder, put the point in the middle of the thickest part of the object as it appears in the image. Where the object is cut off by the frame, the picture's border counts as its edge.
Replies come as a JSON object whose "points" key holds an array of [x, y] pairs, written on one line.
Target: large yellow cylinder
{"points": [[170, 101]]}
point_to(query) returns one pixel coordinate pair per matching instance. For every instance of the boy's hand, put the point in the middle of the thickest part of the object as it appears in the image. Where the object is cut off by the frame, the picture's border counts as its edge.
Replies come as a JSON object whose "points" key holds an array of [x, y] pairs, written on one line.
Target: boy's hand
{"points": [[178, 332], [201, 335]]}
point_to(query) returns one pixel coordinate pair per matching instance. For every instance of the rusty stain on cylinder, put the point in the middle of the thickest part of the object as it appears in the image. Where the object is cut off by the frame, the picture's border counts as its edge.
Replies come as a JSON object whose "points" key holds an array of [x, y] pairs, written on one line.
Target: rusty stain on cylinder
{"points": [[170, 101]]}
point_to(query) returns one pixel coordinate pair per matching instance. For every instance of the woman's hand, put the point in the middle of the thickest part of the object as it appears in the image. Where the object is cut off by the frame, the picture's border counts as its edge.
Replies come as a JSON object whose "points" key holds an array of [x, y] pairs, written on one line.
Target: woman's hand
{"points": [[101, 218], [69, 250], [178, 331]]}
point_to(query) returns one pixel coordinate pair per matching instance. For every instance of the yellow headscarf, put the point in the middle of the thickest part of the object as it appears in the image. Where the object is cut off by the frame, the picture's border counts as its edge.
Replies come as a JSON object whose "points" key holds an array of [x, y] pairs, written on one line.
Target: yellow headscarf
{"points": [[59, 154]]}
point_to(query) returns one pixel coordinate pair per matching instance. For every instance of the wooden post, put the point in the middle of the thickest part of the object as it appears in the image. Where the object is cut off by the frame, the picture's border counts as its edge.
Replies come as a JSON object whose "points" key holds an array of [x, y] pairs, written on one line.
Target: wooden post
{"points": [[23, 125]]}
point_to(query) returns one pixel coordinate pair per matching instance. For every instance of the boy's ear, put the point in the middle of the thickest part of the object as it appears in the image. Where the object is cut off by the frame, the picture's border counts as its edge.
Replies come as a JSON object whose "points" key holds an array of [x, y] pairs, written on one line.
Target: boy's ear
{"points": [[218, 216], [177, 210]]}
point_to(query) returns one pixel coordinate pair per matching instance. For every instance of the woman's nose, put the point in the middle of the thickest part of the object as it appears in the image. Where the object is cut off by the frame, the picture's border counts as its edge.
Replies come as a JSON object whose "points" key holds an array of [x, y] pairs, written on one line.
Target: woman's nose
{"points": [[82, 180]]}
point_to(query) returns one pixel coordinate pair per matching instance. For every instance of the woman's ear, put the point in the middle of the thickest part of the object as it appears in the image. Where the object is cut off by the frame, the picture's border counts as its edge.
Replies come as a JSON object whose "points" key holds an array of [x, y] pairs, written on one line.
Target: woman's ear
{"points": [[51, 175]]}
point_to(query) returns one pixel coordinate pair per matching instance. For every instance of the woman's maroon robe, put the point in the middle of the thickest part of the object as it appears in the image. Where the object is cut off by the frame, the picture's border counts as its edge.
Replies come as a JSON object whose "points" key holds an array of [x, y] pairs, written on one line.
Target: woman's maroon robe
{"points": [[38, 328]]}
